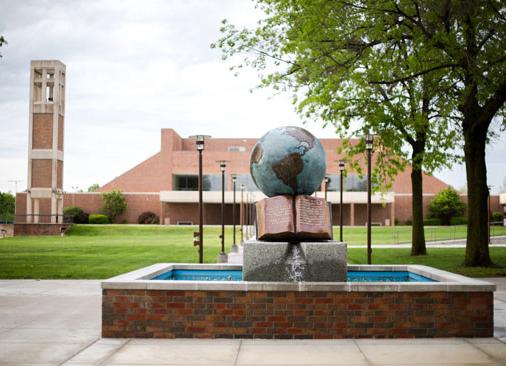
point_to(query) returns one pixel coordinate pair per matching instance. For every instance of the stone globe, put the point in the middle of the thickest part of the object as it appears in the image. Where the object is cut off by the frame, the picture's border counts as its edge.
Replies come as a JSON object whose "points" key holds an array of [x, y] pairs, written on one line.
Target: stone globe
{"points": [[288, 161]]}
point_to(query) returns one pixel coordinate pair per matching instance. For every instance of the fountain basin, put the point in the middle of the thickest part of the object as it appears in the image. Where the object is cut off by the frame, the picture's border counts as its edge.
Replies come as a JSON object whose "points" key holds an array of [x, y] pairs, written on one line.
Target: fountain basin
{"points": [[178, 274], [135, 305]]}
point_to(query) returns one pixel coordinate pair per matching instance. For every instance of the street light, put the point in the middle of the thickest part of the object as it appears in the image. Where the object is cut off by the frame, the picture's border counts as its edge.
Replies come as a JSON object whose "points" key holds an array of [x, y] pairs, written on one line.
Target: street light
{"points": [[327, 181], [242, 213], [341, 171], [199, 139], [489, 214], [234, 245], [223, 256], [369, 141], [251, 214]]}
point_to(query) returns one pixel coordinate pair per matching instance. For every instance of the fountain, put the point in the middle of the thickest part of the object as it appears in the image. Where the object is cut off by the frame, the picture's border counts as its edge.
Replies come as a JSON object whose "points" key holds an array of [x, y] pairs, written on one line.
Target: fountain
{"points": [[294, 229], [295, 282]]}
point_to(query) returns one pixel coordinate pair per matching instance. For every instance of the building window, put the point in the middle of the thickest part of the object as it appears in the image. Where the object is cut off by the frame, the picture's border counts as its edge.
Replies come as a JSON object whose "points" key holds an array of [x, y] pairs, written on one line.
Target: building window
{"points": [[355, 183], [352, 183], [249, 184], [191, 182], [236, 149], [334, 184]]}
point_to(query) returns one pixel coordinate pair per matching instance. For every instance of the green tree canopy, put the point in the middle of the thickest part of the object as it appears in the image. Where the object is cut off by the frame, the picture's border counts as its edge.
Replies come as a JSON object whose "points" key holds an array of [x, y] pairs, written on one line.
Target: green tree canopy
{"points": [[113, 204], [2, 42], [446, 204], [94, 187], [7, 206], [332, 55]]}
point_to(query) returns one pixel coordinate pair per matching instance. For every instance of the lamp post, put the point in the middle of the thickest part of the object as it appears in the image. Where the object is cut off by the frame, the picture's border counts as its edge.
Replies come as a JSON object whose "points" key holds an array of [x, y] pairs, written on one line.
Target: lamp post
{"points": [[234, 245], [489, 214], [223, 256], [341, 170], [327, 181], [251, 214], [200, 240], [241, 214], [369, 141]]}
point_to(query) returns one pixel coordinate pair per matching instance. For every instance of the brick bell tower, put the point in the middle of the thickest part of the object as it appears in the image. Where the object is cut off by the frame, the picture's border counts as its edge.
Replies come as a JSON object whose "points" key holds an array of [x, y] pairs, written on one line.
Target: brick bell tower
{"points": [[44, 203]]}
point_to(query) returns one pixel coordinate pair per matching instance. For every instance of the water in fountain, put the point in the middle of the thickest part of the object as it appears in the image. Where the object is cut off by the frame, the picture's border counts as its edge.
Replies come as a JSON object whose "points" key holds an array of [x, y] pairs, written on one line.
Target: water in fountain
{"points": [[296, 263]]}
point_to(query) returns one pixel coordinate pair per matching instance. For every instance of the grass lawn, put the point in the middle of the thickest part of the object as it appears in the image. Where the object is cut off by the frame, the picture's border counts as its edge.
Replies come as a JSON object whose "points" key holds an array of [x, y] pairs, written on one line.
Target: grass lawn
{"points": [[356, 235], [95, 252]]}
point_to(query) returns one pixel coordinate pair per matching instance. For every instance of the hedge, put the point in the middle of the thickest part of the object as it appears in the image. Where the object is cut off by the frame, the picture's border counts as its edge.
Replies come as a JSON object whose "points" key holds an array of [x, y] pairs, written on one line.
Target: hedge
{"points": [[98, 219]]}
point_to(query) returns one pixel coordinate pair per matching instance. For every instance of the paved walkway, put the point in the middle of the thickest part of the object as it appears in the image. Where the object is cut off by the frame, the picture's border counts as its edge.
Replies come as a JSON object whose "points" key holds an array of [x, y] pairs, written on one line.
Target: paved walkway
{"points": [[58, 322]]}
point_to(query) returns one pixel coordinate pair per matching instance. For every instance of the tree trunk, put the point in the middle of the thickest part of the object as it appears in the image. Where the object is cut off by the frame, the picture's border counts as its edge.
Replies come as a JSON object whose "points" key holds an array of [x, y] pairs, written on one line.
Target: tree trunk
{"points": [[417, 233], [477, 253]]}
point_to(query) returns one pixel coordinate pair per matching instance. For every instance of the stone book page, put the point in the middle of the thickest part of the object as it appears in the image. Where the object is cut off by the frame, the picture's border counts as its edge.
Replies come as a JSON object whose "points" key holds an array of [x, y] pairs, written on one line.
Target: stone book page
{"points": [[312, 218], [275, 218]]}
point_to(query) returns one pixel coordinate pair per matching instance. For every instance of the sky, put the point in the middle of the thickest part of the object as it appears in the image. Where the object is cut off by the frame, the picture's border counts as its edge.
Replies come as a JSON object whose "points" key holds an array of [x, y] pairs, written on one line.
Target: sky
{"points": [[134, 67]]}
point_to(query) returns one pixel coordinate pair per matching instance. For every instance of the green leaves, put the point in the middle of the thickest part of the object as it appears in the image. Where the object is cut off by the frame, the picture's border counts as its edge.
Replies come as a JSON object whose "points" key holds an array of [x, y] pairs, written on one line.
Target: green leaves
{"points": [[446, 204], [113, 204]]}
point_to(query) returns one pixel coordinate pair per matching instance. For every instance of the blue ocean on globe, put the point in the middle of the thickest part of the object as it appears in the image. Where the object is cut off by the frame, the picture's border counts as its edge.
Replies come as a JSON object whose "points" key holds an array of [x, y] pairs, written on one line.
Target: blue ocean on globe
{"points": [[288, 161]]}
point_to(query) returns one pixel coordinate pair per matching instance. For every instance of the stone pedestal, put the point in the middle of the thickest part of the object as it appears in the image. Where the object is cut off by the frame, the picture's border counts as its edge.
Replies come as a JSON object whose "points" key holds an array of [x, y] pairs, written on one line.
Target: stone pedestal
{"points": [[291, 262]]}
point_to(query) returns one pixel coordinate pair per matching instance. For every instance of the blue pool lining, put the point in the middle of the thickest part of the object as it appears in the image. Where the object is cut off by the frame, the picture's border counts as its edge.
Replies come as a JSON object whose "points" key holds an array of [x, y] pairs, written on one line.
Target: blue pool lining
{"points": [[236, 275]]}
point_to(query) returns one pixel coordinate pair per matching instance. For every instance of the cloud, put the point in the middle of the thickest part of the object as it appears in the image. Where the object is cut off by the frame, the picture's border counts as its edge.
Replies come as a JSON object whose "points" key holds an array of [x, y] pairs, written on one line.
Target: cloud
{"points": [[134, 67]]}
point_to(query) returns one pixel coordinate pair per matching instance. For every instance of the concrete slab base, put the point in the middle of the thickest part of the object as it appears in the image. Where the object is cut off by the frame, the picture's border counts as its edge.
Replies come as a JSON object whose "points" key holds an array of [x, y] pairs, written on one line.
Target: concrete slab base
{"points": [[294, 262]]}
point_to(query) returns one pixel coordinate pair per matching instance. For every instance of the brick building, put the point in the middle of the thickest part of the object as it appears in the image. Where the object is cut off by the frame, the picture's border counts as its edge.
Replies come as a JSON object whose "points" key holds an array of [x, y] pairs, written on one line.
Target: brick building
{"points": [[166, 183]]}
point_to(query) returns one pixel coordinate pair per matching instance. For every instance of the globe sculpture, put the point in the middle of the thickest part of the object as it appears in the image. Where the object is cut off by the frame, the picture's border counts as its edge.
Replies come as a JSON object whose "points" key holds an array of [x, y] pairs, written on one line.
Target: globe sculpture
{"points": [[288, 161]]}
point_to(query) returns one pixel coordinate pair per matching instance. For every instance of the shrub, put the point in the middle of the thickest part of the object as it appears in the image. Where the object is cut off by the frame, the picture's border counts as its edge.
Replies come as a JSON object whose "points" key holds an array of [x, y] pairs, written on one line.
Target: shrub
{"points": [[98, 219], [445, 205], [7, 207], [148, 217], [113, 204], [497, 216], [77, 214], [458, 220], [433, 221], [408, 222]]}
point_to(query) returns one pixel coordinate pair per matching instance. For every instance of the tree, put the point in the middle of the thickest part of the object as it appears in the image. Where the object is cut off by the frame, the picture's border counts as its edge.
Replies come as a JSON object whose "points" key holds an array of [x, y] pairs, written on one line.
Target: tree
{"points": [[7, 207], [467, 41], [446, 204], [325, 54], [2, 42], [464, 41], [94, 187], [113, 204]]}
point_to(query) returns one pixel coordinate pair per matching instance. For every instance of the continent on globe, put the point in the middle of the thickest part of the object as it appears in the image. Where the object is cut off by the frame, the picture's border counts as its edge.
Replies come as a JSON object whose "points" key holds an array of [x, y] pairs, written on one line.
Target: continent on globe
{"points": [[293, 218], [288, 161]]}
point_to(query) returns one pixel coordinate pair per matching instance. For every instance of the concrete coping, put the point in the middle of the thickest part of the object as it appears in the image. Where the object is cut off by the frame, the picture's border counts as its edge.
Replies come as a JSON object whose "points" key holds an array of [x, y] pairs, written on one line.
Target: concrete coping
{"points": [[447, 282]]}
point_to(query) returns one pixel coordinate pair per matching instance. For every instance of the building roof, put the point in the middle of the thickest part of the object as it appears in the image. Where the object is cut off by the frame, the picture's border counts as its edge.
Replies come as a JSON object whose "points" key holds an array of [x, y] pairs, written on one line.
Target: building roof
{"points": [[179, 156]]}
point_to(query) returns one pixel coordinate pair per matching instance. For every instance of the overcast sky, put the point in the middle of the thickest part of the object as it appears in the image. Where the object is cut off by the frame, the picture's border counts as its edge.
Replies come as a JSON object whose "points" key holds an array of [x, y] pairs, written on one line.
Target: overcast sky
{"points": [[134, 67]]}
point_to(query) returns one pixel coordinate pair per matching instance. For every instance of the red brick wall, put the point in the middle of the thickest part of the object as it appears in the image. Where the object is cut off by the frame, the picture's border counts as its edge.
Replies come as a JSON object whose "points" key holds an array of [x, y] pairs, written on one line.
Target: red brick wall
{"points": [[403, 204], [39, 229], [41, 173], [60, 132], [257, 314], [59, 174], [136, 204], [20, 206], [179, 156], [42, 136]]}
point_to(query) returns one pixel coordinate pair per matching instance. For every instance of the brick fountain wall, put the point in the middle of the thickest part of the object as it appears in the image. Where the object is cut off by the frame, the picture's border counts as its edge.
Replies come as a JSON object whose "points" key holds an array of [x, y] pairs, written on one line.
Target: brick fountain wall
{"points": [[291, 315]]}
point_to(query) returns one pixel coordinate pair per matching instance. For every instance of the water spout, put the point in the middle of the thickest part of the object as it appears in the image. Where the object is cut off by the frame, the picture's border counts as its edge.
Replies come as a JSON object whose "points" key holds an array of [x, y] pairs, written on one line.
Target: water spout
{"points": [[295, 262]]}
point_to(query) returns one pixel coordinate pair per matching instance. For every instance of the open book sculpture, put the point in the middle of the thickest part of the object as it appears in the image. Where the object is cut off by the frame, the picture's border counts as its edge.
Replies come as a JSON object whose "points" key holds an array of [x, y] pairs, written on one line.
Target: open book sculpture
{"points": [[292, 218]]}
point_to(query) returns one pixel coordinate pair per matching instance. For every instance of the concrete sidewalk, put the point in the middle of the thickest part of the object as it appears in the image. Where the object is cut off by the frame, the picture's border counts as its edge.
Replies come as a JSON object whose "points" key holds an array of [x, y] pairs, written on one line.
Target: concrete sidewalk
{"points": [[58, 322]]}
